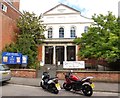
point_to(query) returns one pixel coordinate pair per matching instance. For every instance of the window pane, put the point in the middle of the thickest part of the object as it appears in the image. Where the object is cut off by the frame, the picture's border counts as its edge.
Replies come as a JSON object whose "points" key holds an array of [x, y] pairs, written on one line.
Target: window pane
{"points": [[4, 7], [86, 29], [72, 32], [61, 33], [50, 33]]}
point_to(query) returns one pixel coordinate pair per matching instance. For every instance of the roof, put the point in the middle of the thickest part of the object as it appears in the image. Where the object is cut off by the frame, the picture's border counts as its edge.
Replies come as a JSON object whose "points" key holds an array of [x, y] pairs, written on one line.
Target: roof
{"points": [[62, 5]]}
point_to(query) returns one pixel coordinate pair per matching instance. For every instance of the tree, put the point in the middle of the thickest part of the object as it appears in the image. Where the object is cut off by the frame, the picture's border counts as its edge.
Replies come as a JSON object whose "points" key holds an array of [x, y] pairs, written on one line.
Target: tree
{"points": [[30, 35], [102, 41], [30, 24]]}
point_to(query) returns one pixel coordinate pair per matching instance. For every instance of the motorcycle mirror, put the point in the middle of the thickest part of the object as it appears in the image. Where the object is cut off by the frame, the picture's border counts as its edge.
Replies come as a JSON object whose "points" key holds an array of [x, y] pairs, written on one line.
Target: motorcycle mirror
{"points": [[71, 70], [48, 68]]}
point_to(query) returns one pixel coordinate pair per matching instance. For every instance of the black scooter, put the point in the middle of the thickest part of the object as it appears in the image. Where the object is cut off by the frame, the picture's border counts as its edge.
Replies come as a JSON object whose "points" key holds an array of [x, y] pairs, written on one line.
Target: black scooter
{"points": [[50, 84]]}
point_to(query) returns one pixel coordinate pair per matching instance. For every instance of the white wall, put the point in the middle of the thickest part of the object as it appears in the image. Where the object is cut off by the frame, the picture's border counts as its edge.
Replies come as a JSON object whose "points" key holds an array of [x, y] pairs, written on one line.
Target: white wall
{"points": [[66, 19], [67, 27]]}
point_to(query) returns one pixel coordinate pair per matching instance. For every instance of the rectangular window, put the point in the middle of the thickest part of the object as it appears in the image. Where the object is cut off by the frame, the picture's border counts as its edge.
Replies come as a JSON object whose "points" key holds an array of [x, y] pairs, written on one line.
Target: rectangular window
{"points": [[61, 35], [61, 32], [50, 33], [72, 32], [86, 29], [72, 35], [3, 7]]}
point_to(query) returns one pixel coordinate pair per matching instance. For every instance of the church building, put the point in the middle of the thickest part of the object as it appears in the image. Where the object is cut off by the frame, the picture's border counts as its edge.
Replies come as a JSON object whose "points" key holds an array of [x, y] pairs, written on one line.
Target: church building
{"points": [[63, 25]]}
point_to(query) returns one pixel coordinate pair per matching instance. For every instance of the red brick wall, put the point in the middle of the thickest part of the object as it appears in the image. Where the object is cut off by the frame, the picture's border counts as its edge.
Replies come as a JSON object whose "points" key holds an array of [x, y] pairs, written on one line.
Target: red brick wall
{"points": [[40, 53], [77, 57], [27, 73], [16, 4], [92, 61], [11, 13], [8, 28], [95, 62], [101, 76]]}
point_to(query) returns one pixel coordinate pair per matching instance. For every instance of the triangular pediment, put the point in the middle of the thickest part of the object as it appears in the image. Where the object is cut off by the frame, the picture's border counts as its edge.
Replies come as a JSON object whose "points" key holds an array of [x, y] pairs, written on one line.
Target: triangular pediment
{"points": [[61, 9]]}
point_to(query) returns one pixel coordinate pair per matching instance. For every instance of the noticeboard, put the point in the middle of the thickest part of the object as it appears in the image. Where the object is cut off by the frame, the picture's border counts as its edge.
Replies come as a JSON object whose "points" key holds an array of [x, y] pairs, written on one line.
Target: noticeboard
{"points": [[11, 58]]}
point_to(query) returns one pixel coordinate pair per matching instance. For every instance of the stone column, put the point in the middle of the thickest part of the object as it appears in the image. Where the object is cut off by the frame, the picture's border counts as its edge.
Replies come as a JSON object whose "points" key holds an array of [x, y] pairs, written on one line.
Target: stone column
{"points": [[65, 54], [76, 52], [43, 54], [54, 55]]}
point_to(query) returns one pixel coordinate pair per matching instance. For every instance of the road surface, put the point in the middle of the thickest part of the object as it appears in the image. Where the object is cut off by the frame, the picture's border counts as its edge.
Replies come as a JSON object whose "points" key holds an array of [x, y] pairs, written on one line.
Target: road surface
{"points": [[22, 90]]}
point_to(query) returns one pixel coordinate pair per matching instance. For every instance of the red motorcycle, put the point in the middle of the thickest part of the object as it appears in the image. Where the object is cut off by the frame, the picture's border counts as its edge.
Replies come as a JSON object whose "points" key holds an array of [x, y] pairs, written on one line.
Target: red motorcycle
{"points": [[74, 83]]}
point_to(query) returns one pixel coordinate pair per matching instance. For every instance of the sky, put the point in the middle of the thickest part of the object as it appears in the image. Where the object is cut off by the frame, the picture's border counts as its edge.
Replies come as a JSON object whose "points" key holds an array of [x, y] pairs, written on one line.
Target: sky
{"points": [[86, 7]]}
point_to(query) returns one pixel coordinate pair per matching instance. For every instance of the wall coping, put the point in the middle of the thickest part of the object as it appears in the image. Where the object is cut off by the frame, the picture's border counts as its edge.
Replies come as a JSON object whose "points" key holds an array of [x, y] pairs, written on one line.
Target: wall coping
{"points": [[22, 69], [79, 71]]}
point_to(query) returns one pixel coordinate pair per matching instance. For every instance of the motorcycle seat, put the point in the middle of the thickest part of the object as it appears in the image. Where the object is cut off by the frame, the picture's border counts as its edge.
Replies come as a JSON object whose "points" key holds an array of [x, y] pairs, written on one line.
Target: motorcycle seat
{"points": [[82, 79], [52, 78], [78, 80]]}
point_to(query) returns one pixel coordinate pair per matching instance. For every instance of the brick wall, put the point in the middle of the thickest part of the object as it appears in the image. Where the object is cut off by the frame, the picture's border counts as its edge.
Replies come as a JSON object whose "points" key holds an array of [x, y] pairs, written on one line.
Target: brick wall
{"points": [[40, 53], [96, 62], [101, 76], [27, 73], [92, 61], [11, 11], [8, 28], [16, 4]]}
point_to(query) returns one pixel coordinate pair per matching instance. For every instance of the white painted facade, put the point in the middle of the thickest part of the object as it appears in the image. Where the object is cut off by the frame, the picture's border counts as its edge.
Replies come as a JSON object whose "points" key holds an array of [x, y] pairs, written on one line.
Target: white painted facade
{"points": [[65, 17]]}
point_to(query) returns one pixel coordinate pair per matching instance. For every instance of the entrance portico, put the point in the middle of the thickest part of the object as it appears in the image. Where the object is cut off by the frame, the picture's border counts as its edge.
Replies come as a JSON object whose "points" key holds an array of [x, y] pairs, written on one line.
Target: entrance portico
{"points": [[54, 51]]}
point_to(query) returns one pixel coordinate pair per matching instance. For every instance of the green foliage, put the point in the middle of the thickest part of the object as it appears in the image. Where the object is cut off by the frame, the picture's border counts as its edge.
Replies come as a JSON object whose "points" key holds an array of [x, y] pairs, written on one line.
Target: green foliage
{"points": [[30, 35], [102, 40], [11, 47], [30, 24]]}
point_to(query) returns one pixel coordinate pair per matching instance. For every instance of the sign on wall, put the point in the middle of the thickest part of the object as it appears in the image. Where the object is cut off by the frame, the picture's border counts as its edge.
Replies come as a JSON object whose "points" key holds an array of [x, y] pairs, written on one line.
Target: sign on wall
{"points": [[74, 64], [14, 58], [24, 59], [11, 58]]}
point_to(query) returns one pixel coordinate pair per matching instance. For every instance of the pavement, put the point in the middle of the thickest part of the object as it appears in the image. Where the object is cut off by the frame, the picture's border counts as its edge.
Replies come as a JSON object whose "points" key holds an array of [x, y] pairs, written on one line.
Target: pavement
{"points": [[99, 86]]}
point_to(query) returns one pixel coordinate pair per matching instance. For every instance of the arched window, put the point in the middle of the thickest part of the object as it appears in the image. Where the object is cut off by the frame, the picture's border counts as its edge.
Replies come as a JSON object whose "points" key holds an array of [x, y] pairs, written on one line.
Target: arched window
{"points": [[61, 32], [50, 33], [72, 32]]}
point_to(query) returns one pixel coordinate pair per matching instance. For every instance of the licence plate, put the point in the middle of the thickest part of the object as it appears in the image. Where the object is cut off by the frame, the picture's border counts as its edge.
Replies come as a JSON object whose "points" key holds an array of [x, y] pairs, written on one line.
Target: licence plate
{"points": [[58, 86], [4, 73], [92, 85]]}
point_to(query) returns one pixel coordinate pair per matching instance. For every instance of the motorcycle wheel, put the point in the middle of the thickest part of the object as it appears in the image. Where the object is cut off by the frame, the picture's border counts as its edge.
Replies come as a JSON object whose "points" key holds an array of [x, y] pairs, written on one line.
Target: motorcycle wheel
{"points": [[87, 90], [67, 87], [55, 91], [52, 88], [42, 85]]}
